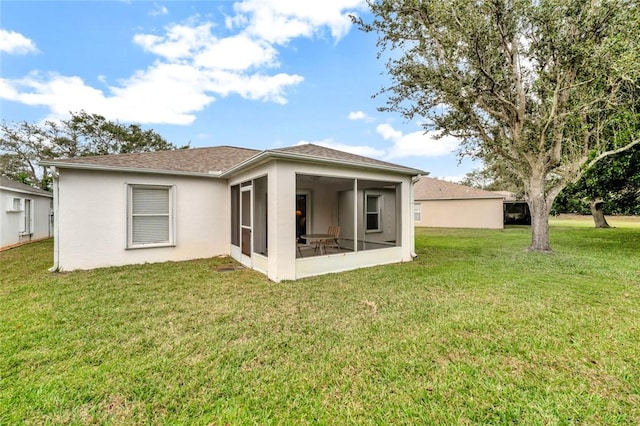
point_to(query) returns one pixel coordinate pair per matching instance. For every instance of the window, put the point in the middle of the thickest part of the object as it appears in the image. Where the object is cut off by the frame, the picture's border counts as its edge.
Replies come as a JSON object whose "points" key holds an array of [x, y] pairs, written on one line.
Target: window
{"points": [[27, 218], [417, 212], [372, 212], [15, 204], [151, 218]]}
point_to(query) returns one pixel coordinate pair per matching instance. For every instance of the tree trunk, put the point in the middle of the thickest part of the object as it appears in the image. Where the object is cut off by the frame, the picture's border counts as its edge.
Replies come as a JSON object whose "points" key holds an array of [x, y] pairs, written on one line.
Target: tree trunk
{"points": [[540, 207], [598, 214], [539, 229]]}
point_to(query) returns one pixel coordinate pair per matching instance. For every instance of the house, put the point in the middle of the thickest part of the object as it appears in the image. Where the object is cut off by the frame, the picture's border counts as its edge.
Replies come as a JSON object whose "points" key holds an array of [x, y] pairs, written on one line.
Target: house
{"points": [[516, 210], [443, 204], [25, 213], [244, 203]]}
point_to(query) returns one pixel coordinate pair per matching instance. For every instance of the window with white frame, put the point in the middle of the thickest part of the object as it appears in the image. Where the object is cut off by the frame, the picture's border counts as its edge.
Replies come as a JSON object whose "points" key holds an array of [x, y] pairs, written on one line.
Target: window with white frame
{"points": [[27, 217], [373, 212], [417, 212], [150, 219], [15, 204]]}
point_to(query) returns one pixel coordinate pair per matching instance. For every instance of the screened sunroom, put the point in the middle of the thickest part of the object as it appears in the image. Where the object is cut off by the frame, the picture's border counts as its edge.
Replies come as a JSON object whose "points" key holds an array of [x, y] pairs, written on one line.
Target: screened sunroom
{"points": [[292, 220]]}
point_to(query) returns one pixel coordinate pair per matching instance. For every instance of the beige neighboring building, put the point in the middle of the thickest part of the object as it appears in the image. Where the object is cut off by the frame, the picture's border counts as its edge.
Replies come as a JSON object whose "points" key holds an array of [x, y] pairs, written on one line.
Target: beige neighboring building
{"points": [[442, 204]]}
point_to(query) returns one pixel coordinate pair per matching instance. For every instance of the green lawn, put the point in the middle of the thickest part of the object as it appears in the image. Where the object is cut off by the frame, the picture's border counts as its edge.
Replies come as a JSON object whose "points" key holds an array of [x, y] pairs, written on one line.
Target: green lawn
{"points": [[476, 330]]}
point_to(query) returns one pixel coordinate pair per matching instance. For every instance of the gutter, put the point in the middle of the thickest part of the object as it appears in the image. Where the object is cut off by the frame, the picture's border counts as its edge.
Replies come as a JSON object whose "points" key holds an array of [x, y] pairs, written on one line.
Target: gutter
{"points": [[107, 168], [56, 220]]}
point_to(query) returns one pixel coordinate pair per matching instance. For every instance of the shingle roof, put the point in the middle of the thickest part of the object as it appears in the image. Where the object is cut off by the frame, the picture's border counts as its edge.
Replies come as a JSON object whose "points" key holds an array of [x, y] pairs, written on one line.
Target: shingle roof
{"points": [[192, 160], [317, 151], [435, 189], [218, 160], [5, 182]]}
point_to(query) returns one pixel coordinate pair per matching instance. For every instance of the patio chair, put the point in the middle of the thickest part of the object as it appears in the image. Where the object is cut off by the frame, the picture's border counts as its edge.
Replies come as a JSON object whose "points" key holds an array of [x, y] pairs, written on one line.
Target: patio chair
{"points": [[334, 231], [300, 246]]}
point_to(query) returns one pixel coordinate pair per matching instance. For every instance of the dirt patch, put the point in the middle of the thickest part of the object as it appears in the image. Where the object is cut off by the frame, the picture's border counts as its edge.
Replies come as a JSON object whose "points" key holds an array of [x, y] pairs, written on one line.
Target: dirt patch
{"points": [[229, 268]]}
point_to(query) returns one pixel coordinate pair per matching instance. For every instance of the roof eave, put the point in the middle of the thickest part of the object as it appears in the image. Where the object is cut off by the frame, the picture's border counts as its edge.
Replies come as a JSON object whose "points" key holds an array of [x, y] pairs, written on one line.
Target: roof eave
{"points": [[107, 168], [26, 191]]}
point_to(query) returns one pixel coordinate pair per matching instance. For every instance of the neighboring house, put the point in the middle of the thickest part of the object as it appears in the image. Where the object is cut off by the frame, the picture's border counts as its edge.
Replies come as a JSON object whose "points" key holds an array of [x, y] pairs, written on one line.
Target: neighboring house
{"points": [[204, 202], [442, 204], [25, 213], [516, 210]]}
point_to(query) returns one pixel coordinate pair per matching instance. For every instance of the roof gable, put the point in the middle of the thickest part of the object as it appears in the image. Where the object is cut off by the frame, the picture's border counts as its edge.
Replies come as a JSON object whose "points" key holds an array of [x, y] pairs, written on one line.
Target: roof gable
{"points": [[436, 189], [317, 151]]}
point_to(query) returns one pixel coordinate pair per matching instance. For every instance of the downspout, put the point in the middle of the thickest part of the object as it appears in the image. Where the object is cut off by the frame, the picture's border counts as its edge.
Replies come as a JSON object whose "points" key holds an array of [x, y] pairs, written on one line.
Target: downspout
{"points": [[412, 228], [56, 221]]}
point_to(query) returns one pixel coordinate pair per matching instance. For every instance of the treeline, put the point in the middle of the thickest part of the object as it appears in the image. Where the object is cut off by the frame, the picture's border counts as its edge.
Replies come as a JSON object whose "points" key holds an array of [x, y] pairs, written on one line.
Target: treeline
{"points": [[23, 145]]}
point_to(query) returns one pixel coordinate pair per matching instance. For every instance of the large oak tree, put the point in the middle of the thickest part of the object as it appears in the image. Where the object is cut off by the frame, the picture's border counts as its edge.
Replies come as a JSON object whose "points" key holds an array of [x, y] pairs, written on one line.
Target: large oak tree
{"points": [[533, 84]]}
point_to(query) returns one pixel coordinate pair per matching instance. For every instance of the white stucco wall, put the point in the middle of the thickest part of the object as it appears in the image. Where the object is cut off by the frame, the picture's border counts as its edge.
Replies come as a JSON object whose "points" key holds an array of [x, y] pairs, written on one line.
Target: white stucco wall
{"points": [[92, 219], [470, 213], [11, 221]]}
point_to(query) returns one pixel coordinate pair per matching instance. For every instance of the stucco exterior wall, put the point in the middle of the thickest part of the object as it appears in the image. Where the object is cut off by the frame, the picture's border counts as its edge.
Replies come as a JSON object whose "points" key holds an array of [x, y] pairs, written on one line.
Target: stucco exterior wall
{"points": [[92, 219], [91, 228], [470, 213], [11, 221]]}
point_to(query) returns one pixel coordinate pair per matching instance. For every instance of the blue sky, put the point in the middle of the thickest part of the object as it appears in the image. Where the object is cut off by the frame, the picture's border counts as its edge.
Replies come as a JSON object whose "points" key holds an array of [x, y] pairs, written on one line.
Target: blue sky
{"points": [[253, 73]]}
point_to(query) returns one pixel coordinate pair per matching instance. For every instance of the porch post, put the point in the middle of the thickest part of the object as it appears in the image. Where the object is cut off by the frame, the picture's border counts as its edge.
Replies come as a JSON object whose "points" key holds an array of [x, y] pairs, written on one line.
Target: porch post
{"points": [[408, 224], [356, 234], [282, 221]]}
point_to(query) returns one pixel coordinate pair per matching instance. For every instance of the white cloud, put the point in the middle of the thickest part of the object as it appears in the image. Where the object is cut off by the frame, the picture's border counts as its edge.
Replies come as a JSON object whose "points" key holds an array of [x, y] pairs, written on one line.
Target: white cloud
{"points": [[184, 90], [414, 144], [364, 150], [224, 54], [158, 10], [49, 90], [7, 91], [15, 43], [417, 144], [358, 115], [195, 63], [254, 87], [178, 42], [279, 21]]}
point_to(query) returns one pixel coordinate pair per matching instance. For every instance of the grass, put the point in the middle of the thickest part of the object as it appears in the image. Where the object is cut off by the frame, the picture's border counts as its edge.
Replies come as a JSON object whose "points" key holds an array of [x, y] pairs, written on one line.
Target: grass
{"points": [[587, 220], [476, 330]]}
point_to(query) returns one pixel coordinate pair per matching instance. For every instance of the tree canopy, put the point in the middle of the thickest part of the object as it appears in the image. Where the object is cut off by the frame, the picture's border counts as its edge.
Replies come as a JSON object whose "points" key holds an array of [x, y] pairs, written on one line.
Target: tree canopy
{"points": [[540, 86], [24, 144]]}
